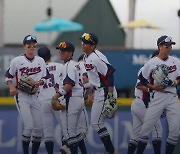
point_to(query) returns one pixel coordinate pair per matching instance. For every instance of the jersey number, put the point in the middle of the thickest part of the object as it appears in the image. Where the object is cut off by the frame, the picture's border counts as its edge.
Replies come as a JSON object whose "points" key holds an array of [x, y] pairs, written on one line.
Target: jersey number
{"points": [[50, 82]]}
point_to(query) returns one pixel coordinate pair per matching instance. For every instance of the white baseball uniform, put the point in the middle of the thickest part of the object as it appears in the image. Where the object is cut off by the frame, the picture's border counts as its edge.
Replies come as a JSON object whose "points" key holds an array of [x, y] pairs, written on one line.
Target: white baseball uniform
{"points": [[28, 105], [46, 92], [138, 110], [74, 102], [97, 67], [162, 100], [83, 122]]}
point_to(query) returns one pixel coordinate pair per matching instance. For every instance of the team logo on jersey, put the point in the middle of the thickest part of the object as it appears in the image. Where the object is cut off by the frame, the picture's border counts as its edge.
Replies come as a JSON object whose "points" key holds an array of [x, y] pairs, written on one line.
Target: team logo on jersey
{"points": [[30, 71], [172, 68], [89, 67]]}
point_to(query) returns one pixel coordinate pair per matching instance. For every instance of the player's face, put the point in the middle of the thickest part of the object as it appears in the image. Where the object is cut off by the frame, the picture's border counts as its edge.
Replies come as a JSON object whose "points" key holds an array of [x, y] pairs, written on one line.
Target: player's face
{"points": [[65, 56], [166, 48], [87, 48], [30, 48]]}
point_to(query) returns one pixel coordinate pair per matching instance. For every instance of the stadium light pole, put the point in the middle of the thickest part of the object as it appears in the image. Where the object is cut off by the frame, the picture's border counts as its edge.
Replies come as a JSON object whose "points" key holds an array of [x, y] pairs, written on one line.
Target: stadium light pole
{"points": [[130, 32]]}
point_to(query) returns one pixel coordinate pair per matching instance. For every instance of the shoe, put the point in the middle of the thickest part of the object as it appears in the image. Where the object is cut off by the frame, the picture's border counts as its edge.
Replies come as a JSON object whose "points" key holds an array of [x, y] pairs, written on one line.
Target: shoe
{"points": [[115, 152], [65, 150]]}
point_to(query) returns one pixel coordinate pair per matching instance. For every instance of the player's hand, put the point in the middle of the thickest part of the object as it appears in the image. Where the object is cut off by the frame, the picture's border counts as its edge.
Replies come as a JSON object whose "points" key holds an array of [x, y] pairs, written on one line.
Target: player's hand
{"points": [[13, 91]]}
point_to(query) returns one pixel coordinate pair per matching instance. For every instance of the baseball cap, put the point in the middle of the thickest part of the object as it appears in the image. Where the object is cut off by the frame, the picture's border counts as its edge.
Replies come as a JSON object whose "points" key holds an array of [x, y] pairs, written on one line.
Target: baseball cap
{"points": [[66, 46], [29, 38], [45, 53], [165, 40], [89, 38]]}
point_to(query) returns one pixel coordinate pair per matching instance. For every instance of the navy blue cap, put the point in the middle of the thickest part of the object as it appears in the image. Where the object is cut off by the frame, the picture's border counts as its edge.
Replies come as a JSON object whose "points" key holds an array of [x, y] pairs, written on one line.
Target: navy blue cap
{"points": [[29, 38], [44, 52], [89, 38], [66, 46], [165, 40]]}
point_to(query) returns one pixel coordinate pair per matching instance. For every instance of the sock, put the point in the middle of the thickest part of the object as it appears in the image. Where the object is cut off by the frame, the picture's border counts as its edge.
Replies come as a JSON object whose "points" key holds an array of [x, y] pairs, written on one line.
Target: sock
{"points": [[169, 148], [131, 148], [35, 147], [73, 148], [157, 147], [25, 147], [82, 147], [105, 138], [141, 147], [49, 147]]}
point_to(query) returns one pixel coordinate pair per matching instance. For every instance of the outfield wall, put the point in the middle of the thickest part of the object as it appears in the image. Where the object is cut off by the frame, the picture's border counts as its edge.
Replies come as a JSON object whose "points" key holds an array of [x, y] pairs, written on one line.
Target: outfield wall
{"points": [[120, 129]]}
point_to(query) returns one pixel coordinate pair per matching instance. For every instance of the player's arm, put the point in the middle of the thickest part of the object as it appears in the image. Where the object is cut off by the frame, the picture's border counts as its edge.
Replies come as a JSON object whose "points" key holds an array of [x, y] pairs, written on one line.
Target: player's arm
{"points": [[10, 73], [146, 83], [68, 83]]}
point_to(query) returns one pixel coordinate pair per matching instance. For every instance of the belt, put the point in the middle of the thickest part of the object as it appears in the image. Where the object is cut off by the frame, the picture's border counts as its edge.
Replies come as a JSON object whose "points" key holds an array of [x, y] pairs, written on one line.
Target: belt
{"points": [[96, 88], [138, 97]]}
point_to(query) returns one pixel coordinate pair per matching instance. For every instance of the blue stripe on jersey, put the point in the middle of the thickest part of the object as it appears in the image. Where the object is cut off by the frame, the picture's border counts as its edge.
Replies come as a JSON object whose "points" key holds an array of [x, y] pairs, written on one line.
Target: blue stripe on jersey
{"points": [[142, 79], [67, 80], [8, 75]]}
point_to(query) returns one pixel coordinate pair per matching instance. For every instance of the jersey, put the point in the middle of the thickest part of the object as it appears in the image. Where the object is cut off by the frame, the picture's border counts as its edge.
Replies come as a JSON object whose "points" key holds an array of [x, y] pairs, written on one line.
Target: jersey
{"points": [[72, 75], [55, 74], [173, 64], [98, 69], [35, 68]]}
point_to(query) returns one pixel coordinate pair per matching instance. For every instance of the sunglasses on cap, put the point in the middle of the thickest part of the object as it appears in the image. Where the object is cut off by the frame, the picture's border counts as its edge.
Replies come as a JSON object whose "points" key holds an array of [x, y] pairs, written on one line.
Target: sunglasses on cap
{"points": [[63, 45], [166, 40], [87, 37], [31, 37]]}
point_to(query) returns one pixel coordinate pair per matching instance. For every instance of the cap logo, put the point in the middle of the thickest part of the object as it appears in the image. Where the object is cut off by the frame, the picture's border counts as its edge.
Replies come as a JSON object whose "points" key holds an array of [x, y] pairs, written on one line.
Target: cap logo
{"points": [[166, 40], [63, 45]]}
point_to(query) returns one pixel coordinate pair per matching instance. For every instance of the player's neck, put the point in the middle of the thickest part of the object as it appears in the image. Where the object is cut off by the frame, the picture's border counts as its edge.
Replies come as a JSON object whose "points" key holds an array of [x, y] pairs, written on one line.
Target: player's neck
{"points": [[29, 56], [163, 56]]}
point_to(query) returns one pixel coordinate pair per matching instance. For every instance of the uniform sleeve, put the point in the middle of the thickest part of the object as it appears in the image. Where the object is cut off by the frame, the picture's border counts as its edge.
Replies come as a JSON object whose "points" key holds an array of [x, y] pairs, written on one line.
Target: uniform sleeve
{"points": [[70, 74], [101, 66], [146, 71], [105, 71], [12, 70]]}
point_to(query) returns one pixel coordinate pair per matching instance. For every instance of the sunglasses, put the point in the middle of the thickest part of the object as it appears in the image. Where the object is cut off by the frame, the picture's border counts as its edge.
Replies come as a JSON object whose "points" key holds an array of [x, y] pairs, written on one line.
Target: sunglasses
{"points": [[31, 46], [168, 46], [166, 40], [63, 45], [87, 37]]}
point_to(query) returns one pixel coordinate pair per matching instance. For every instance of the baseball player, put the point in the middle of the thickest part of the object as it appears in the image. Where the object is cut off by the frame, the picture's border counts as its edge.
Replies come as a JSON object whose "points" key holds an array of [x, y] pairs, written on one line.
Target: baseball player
{"points": [[28, 105], [138, 109], [101, 79], [164, 96], [72, 90], [46, 92]]}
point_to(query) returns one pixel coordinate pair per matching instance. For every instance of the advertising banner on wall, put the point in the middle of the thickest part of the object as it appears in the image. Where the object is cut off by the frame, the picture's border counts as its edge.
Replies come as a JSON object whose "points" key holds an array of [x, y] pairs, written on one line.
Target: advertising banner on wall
{"points": [[120, 129], [126, 62]]}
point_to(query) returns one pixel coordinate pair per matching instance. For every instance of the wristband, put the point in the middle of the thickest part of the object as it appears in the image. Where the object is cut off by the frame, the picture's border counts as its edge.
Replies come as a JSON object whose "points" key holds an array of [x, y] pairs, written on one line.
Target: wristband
{"points": [[62, 92]]}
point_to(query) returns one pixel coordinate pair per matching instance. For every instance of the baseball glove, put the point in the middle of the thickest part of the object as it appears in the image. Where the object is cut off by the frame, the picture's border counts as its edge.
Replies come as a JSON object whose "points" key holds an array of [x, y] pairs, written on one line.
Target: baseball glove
{"points": [[56, 105], [160, 73], [27, 84], [88, 100], [110, 107]]}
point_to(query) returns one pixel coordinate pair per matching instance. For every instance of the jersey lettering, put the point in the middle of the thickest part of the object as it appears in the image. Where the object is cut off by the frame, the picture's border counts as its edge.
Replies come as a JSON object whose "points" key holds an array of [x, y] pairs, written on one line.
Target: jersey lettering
{"points": [[51, 68], [172, 68], [89, 67], [30, 71]]}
